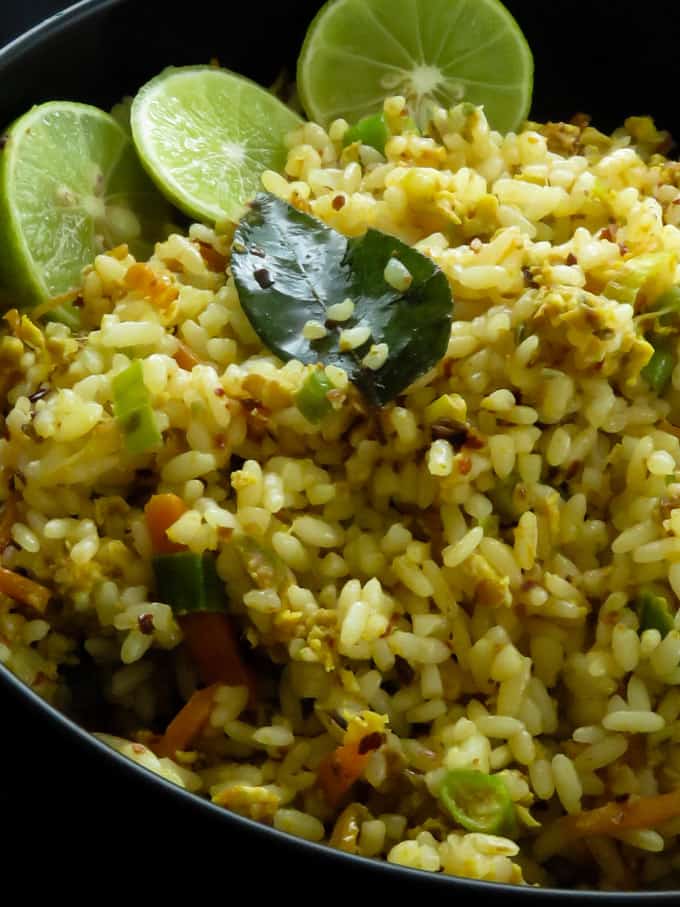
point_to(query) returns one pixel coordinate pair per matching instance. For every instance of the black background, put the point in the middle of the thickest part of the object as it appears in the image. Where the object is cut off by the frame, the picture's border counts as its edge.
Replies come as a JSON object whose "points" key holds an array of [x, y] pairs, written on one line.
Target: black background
{"points": [[57, 804]]}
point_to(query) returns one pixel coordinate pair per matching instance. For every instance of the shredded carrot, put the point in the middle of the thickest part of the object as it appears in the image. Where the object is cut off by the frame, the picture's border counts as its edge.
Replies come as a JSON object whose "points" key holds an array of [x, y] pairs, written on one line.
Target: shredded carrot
{"points": [[609, 820], [214, 259], [339, 770], [161, 511], [157, 287], [211, 642], [185, 358], [187, 723], [24, 590], [7, 520]]}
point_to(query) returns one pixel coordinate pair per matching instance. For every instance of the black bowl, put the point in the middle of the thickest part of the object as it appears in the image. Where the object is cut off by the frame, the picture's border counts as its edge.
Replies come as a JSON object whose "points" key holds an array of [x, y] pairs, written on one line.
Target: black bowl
{"points": [[609, 60]]}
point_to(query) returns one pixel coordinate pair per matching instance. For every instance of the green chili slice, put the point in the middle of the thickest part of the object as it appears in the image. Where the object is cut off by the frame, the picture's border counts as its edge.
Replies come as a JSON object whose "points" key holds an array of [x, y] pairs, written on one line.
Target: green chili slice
{"points": [[478, 802], [132, 409], [371, 130], [658, 371], [312, 398], [654, 612], [188, 582]]}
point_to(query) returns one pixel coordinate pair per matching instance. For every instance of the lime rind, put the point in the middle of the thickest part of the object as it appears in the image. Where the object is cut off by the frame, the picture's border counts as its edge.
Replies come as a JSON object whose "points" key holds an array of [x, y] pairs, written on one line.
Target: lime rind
{"points": [[357, 52], [24, 218], [205, 135]]}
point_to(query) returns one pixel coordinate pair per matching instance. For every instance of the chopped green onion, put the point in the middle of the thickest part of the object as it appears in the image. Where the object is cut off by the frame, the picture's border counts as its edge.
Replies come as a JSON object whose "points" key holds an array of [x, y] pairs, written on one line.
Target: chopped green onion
{"points": [[140, 430], [312, 398], [658, 371], [638, 271], [188, 582], [132, 409], [478, 802], [371, 130], [654, 612]]}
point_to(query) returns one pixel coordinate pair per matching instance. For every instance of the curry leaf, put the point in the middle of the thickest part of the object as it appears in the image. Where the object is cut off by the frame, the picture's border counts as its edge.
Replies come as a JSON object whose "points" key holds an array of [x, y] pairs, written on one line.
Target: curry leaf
{"points": [[289, 268]]}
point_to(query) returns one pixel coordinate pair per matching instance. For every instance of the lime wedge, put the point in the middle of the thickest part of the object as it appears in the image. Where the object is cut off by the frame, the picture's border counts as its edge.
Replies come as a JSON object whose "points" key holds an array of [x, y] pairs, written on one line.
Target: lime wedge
{"points": [[206, 135], [357, 52], [70, 187]]}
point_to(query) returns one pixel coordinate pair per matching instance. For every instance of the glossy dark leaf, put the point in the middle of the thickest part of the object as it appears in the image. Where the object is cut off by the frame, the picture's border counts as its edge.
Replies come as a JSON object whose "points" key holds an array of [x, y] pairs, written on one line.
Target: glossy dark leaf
{"points": [[289, 268]]}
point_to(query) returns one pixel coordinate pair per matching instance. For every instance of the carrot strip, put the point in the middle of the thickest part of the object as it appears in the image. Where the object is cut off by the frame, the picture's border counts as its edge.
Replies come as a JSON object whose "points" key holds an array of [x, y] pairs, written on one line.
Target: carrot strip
{"points": [[212, 644], [7, 520], [187, 723], [646, 812], [185, 358], [24, 590], [339, 770], [161, 511]]}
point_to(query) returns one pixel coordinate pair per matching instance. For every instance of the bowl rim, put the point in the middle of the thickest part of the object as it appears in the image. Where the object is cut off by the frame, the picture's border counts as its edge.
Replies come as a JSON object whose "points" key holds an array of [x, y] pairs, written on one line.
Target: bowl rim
{"points": [[14, 50]]}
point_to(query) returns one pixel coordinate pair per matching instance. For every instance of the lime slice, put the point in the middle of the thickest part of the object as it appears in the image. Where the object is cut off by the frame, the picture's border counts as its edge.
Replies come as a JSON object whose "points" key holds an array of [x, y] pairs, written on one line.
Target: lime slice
{"points": [[206, 135], [357, 52], [70, 187]]}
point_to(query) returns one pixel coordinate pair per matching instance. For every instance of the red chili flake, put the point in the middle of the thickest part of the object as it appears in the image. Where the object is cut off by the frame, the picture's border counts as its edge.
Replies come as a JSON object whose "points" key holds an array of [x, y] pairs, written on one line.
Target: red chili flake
{"points": [[219, 392], [338, 202], [572, 259], [370, 742], [623, 248], [145, 623], [609, 232], [464, 465]]}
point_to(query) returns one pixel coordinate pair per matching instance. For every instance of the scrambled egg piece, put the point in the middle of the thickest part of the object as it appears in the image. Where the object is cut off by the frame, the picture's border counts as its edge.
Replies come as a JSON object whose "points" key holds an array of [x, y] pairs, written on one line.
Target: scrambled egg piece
{"points": [[591, 333], [362, 724]]}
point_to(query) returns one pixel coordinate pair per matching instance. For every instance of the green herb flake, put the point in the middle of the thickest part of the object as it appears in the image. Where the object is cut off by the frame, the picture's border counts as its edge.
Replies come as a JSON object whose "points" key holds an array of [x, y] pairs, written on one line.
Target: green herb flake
{"points": [[371, 130], [654, 612], [289, 268], [478, 802], [312, 398], [188, 582]]}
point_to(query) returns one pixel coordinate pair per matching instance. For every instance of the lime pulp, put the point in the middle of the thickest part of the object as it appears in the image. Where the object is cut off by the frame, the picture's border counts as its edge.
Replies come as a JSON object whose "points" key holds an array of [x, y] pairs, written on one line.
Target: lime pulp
{"points": [[205, 135], [357, 52]]}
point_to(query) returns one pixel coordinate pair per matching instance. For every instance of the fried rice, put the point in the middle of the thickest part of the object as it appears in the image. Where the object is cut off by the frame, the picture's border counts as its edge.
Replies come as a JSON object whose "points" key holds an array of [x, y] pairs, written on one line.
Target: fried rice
{"points": [[456, 572]]}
